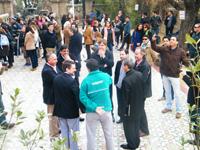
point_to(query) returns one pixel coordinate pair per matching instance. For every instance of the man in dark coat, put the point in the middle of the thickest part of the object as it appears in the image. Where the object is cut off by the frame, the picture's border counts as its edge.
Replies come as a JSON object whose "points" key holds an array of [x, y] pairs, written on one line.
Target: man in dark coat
{"points": [[66, 92], [75, 47], [142, 66], [50, 39], [119, 76], [104, 57], [172, 59], [170, 22], [133, 97], [49, 72]]}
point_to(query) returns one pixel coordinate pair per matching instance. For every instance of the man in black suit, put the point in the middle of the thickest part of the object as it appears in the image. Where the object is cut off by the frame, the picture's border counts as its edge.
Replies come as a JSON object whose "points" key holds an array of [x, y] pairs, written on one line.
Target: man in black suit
{"points": [[49, 72], [142, 66], [133, 97], [66, 92], [119, 76]]}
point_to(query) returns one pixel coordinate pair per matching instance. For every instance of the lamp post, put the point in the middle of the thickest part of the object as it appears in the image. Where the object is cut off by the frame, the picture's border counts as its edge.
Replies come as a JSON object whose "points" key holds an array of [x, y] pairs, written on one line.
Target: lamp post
{"points": [[73, 13], [84, 13]]}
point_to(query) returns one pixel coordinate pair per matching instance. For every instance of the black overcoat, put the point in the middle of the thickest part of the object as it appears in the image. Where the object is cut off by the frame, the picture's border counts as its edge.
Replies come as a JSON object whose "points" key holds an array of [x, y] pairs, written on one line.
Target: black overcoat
{"points": [[133, 94]]}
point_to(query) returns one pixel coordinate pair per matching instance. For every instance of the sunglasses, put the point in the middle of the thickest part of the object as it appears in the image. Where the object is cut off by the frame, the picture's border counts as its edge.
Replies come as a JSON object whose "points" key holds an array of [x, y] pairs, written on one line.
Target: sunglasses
{"points": [[145, 39]]}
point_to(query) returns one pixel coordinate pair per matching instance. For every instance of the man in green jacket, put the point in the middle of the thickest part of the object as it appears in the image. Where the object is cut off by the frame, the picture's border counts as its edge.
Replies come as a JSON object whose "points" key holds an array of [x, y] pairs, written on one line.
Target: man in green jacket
{"points": [[95, 96]]}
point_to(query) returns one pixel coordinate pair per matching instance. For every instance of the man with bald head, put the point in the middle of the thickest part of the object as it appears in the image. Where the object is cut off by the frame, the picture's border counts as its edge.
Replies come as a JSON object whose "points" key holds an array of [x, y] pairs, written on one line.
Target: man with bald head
{"points": [[49, 72]]}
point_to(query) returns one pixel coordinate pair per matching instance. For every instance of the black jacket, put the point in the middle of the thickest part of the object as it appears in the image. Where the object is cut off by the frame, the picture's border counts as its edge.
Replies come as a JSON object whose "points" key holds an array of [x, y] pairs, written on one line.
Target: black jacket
{"points": [[75, 45], [48, 75], [145, 69], [66, 92], [105, 64], [50, 40], [193, 91], [117, 71], [133, 94]]}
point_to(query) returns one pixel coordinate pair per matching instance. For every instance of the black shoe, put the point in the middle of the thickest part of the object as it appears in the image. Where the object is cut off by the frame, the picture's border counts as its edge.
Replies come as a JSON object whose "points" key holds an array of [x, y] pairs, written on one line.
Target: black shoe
{"points": [[125, 146], [81, 119], [119, 121], [10, 66], [6, 125]]}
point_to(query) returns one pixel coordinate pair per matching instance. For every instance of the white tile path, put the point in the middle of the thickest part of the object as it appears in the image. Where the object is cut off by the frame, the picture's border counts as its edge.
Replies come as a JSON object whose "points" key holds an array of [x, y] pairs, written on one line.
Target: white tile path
{"points": [[165, 130]]}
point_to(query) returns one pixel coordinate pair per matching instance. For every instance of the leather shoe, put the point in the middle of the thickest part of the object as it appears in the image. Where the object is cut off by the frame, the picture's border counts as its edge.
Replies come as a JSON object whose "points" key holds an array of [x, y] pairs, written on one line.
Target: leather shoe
{"points": [[81, 119], [178, 115], [125, 146], [166, 110], [119, 121]]}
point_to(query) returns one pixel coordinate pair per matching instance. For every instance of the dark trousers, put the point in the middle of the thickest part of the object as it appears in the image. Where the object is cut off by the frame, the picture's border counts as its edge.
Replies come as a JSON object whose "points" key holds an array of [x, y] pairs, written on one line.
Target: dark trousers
{"points": [[111, 91], [11, 55], [169, 31], [126, 41], [33, 56], [88, 51], [144, 123], [131, 131], [120, 102], [117, 35], [121, 34], [2, 116]]}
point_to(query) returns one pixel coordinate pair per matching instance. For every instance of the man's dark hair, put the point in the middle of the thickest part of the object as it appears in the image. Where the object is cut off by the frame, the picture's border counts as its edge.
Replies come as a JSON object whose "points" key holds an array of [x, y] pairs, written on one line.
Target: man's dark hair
{"points": [[63, 47], [155, 12], [49, 24], [166, 37], [67, 64], [129, 62], [92, 64], [145, 13], [125, 51], [174, 36]]}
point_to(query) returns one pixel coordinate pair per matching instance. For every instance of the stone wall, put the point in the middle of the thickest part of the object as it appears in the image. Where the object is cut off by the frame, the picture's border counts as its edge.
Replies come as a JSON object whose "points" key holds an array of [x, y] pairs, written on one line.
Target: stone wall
{"points": [[6, 6]]}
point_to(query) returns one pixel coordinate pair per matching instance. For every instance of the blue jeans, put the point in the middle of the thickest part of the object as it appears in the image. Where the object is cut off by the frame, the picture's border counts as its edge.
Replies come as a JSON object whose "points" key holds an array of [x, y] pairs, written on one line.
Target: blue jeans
{"points": [[171, 82], [110, 46], [33, 56], [68, 126]]}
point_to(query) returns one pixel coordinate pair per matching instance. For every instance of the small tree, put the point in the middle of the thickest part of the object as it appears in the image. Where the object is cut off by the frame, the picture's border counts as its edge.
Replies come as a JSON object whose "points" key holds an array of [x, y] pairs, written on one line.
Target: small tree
{"points": [[31, 138], [194, 69], [15, 113]]}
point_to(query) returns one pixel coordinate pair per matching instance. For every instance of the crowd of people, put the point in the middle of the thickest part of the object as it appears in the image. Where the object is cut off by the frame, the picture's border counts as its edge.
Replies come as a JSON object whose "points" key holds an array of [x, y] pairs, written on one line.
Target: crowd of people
{"points": [[61, 44]]}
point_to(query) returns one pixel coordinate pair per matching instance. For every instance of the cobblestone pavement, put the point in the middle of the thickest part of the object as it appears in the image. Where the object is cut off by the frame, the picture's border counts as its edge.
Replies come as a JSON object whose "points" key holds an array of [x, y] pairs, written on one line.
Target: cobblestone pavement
{"points": [[165, 130]]}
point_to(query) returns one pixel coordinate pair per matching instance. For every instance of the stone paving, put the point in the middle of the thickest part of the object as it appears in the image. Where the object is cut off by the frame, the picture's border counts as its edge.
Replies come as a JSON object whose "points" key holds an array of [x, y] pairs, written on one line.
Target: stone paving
{"points": [[165, 130]]}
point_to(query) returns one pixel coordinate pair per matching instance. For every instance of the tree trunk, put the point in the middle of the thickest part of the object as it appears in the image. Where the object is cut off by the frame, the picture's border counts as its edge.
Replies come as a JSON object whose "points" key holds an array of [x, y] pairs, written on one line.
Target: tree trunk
{"points": [[191, 12], [187, 24]]}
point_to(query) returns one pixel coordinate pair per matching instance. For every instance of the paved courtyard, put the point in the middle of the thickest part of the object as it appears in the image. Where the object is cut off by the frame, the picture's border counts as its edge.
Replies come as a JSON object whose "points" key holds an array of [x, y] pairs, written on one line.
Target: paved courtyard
{"points": [[165, 130]]}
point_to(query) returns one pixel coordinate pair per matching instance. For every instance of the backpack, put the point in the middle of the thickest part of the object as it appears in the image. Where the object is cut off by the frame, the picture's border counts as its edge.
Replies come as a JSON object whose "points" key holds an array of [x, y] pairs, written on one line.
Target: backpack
{"points": [[4, 40], [4, 45]]}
